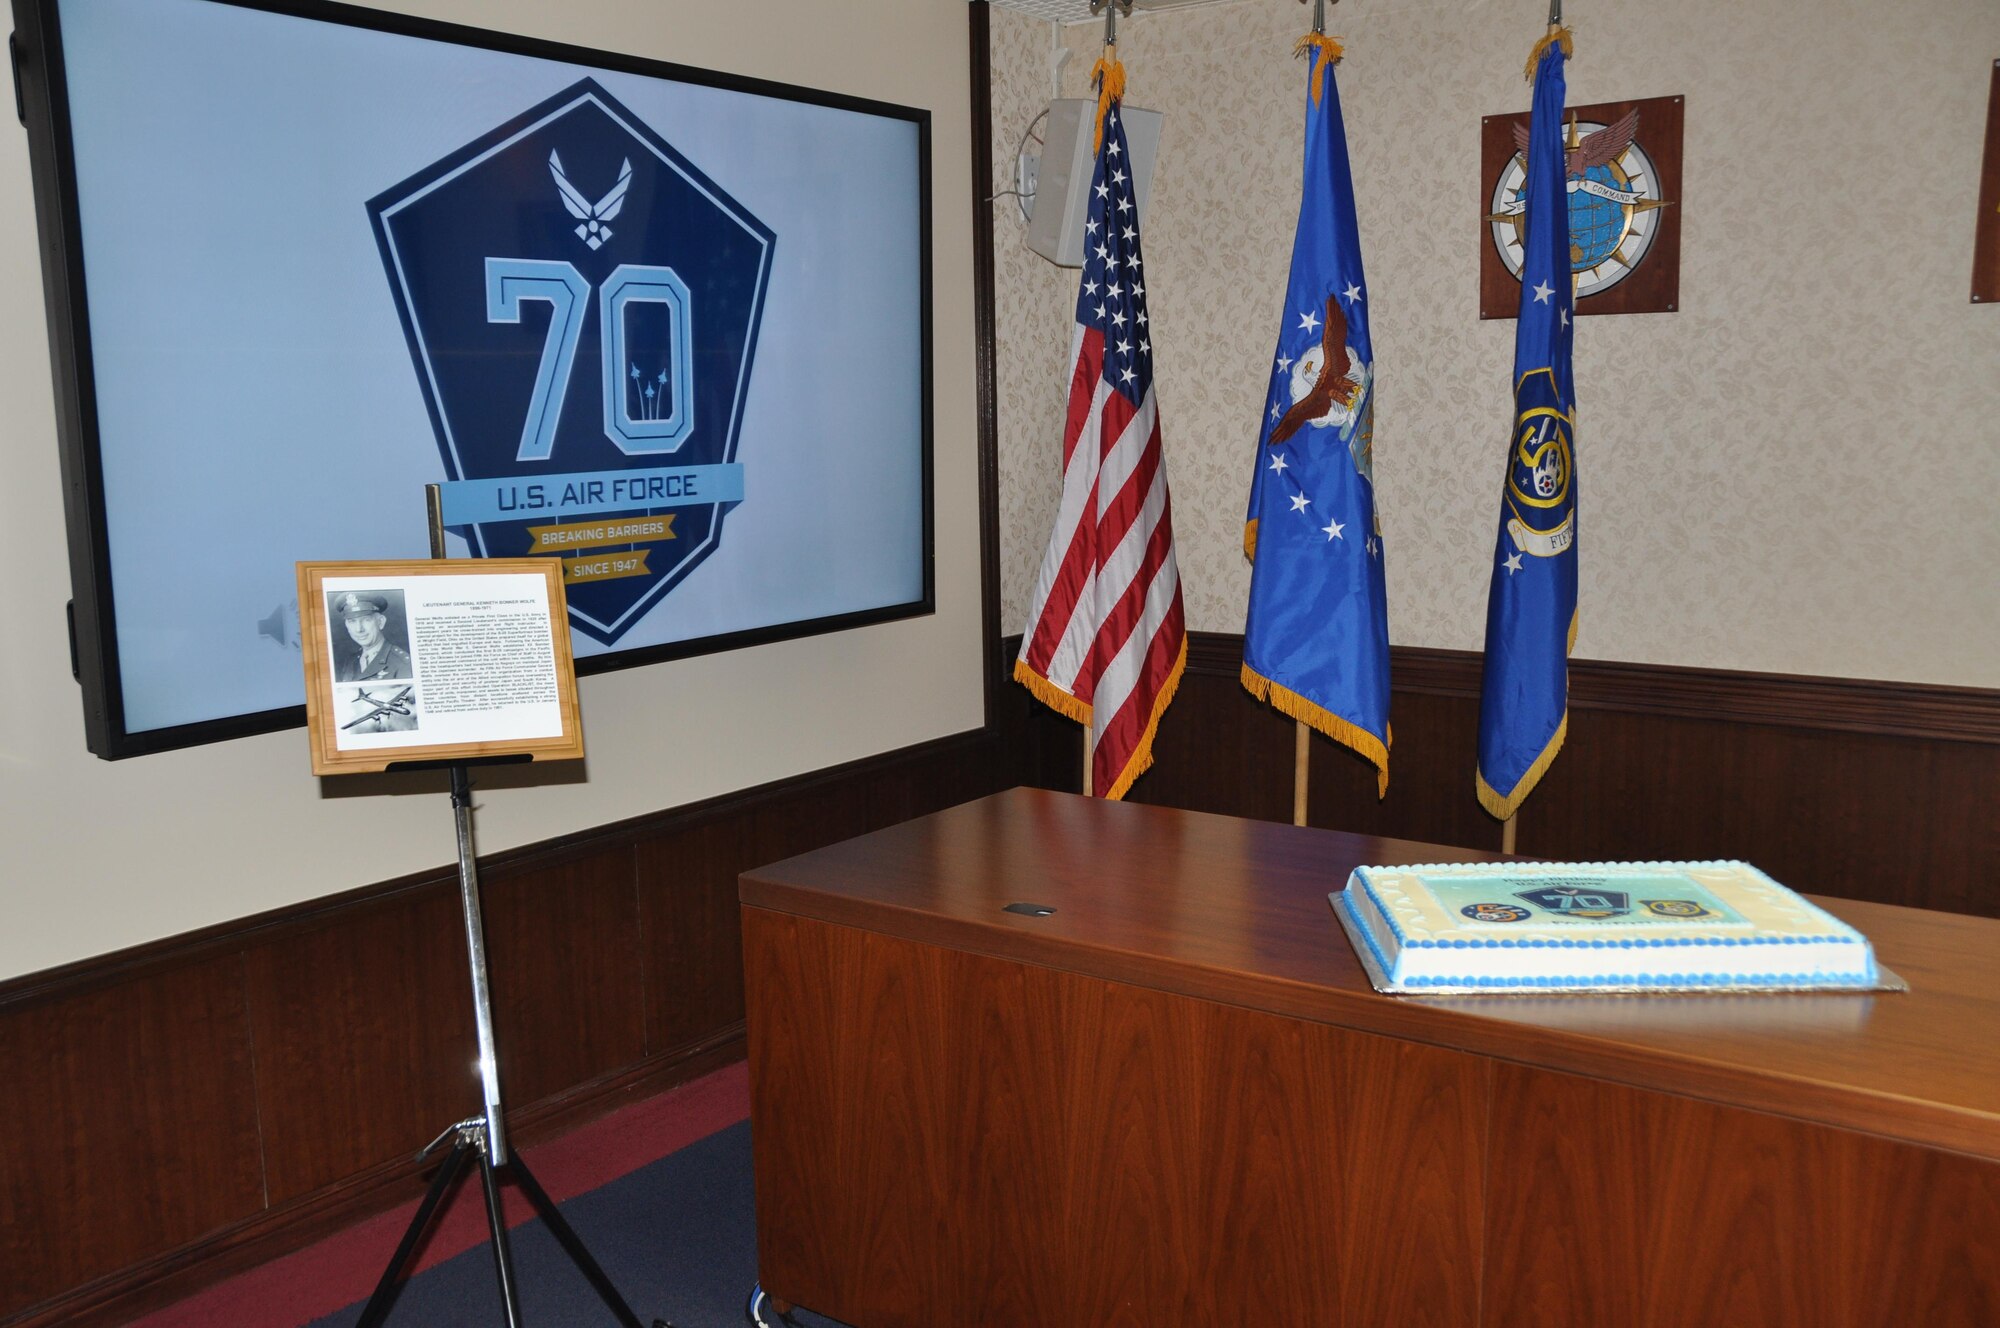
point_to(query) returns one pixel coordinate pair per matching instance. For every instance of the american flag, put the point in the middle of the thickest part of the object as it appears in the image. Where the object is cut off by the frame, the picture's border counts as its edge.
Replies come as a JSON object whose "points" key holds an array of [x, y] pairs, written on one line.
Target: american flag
{"points": [[1106, 639]]}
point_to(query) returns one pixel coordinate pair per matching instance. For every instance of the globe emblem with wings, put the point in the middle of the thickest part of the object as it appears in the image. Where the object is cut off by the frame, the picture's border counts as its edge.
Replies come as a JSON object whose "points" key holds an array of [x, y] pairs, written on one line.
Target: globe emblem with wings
{"points": [[591, 217], [1614, 192]]}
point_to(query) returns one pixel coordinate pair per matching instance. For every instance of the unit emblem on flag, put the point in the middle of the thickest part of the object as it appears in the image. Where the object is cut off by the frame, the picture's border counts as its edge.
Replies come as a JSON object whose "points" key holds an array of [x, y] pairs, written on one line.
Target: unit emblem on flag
{"points": [[581, 303], [1572, 901], [1541, 513]]}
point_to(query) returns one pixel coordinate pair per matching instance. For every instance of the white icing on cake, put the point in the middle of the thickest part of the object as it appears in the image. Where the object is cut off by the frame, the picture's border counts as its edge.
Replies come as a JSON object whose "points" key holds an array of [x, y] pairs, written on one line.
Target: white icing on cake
{"points": [[1551, 926]]}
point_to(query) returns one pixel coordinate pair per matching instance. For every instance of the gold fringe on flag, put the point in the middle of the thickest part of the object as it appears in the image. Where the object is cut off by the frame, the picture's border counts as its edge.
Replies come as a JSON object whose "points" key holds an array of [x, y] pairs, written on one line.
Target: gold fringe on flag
{"points": [[1109, 76], [1349, 735], [1050, 695], [1557, 35], [1142, 759], [1326, 53], [1504, 805], [1250, 539]]}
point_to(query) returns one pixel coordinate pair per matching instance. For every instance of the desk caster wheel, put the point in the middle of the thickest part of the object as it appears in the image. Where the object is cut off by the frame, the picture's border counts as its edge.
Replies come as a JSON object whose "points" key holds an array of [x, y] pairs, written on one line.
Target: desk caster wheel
{"points": [[766, 1313]]}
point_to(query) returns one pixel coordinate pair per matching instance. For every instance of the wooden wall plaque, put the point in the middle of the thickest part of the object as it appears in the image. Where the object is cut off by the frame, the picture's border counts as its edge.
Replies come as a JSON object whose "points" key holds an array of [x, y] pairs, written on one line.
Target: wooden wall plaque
{"points": [[1986, 234], [1630, 243]]}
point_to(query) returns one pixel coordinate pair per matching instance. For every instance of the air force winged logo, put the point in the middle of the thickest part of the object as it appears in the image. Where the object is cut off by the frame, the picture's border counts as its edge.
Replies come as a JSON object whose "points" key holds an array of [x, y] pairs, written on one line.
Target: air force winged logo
{"points": [[595, 217], [557, 351]]}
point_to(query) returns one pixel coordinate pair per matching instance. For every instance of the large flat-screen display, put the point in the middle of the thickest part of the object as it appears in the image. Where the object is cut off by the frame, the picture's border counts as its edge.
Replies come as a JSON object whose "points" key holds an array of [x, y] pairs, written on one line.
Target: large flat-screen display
{"points": [[669, 326]]}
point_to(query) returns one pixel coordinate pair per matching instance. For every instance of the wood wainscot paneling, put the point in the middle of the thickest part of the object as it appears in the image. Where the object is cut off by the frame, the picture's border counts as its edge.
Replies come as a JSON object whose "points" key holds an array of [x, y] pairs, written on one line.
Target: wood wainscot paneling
{"points": [[1864, 790], [187, 1109], [358, 1026], [130, 1124]]}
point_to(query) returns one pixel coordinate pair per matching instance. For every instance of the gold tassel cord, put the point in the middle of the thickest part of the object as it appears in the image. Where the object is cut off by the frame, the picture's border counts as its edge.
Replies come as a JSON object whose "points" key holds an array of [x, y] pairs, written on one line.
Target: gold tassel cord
{"points": [[1326, 52], [1109, 75], [1557, 35]]}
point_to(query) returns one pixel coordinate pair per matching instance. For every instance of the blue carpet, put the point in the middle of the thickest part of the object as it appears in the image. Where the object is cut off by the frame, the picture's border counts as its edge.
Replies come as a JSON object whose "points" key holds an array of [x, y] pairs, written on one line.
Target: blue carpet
{"points": [[677, 1237]]}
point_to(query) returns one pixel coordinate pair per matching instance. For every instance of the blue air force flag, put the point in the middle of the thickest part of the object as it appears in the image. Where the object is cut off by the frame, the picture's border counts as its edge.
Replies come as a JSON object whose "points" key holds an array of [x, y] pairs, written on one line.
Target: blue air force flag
{"points": [[1316, 641], [1531, 608]]}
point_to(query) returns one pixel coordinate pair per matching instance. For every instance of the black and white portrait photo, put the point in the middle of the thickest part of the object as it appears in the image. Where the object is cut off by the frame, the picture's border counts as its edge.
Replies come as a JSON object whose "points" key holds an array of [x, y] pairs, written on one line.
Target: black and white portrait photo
{"points": [[371, 636]]}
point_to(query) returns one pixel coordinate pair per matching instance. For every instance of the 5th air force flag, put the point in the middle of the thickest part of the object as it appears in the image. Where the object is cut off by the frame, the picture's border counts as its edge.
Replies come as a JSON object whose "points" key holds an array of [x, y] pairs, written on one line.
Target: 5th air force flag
{"points": [[1531, 607]]}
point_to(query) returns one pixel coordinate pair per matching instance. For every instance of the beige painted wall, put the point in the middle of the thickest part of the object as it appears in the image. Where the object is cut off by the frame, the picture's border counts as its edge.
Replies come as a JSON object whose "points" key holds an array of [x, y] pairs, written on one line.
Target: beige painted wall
{"points": [[1797, 472], [95, 856]]}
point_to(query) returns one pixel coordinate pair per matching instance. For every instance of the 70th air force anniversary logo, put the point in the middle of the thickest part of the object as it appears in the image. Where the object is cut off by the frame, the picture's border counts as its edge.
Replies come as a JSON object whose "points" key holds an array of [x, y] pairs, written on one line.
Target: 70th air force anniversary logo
{"points": [[560, 280]]}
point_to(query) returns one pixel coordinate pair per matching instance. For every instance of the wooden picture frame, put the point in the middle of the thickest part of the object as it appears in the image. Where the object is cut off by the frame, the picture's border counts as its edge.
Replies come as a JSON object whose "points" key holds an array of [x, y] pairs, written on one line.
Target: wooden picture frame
{"points": [[436, 661], [1652, 284], [1986, 231]]}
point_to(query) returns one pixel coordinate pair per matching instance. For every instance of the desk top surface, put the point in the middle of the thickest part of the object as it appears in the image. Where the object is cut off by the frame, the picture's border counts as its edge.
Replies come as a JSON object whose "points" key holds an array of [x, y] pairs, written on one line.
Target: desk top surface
{"points": [[1234, 910]]}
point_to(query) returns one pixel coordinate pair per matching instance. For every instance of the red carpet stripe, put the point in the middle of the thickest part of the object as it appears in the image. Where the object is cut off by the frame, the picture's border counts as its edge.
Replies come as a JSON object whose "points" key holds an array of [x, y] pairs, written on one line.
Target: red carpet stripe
{"points": [[343, 1268]]}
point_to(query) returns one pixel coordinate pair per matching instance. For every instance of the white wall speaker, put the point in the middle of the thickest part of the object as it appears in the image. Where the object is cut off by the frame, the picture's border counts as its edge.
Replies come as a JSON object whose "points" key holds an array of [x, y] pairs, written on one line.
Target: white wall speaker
{"points": [[1062, 178]]}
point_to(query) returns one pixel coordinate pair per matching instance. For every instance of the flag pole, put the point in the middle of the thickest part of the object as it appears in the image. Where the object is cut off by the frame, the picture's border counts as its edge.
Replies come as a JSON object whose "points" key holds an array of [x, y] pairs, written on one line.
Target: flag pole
{"points": [[1086, 761], [1301, 742], [1301, 763], [1510, 827], [1110, 8]]}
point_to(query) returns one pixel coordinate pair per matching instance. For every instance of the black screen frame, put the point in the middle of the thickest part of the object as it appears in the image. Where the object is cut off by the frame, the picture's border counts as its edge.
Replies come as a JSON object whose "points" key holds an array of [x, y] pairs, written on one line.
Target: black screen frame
{"points": [[41, 93]]}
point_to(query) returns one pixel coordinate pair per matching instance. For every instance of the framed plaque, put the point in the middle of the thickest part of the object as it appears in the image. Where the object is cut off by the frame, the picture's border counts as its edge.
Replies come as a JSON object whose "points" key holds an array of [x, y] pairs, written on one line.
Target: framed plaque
{"points": [[1624, 162], [445, 660], [1986, 234]]}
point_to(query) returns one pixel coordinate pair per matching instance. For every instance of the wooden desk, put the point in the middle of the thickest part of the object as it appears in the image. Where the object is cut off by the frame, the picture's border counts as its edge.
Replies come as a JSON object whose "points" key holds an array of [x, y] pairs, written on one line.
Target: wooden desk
{"points": [[1176, 1102]]}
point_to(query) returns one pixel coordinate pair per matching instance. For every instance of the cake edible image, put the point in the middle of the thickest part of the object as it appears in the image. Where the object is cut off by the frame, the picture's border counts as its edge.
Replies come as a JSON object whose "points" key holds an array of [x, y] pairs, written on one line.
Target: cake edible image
{"points": [[1597, 927]]}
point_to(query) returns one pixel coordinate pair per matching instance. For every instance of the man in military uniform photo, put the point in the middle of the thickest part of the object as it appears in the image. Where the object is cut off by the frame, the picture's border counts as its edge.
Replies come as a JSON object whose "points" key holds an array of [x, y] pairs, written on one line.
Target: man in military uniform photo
{"points": [[378, 658]]}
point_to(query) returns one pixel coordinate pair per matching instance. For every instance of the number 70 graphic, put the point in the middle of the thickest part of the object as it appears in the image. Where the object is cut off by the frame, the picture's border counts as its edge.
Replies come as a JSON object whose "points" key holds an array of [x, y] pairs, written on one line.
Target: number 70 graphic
{"points": [[510, 282]]}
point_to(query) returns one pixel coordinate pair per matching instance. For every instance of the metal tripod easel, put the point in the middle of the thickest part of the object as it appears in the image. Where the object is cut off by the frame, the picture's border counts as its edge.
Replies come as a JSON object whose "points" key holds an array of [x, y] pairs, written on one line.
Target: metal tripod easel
{"points": [[482, 1139]]}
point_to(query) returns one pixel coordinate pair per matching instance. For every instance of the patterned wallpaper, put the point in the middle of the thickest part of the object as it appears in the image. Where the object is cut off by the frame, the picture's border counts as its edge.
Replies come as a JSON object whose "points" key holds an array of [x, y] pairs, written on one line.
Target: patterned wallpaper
{"points": [[1798, 472]]}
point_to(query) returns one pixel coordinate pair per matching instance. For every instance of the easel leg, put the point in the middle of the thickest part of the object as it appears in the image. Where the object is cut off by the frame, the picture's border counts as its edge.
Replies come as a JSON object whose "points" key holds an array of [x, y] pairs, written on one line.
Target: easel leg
{"points": [[384, 1296], [559, 1226]]}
